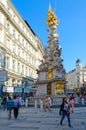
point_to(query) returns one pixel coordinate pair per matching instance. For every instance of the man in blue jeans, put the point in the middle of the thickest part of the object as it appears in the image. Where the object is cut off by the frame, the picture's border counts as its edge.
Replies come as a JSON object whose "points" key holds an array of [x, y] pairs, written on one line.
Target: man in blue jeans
{"points": [[16, 106]]}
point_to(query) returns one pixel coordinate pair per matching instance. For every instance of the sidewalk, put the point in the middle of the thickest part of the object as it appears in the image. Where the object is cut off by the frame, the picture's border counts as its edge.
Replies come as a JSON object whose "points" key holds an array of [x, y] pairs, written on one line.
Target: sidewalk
{"points": [[37, 119]]}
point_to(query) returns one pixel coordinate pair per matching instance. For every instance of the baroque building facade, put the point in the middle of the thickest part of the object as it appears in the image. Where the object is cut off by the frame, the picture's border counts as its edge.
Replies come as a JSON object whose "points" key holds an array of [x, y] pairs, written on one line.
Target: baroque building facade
{"points": [[76, 79], [20, 48]]}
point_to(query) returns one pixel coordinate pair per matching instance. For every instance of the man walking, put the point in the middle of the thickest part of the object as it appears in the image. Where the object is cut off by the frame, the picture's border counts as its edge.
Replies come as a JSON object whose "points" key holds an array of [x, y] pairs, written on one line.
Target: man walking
{"points": [[16, 106]]}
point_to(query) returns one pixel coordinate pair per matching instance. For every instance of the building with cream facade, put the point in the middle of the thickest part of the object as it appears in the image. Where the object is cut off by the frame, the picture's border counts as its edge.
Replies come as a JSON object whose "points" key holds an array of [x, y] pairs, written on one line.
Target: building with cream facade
{"points": [[76, 79], [20, 48]]}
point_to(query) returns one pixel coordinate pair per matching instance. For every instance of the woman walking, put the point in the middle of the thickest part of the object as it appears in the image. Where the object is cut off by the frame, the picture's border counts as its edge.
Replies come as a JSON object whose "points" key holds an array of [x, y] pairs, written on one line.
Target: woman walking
{"points": [[72, 102], [47, 104], [65, 111], [4, 102]]}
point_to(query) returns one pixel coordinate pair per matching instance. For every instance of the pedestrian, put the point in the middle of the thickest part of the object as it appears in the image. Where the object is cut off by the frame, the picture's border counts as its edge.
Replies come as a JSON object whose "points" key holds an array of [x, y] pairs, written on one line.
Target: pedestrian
{"points": [[72, 102], [49, 99], [26, 102], [65, 111], [0, 102], [16, 106], [9, 104], [4, 102], [46, 104]]}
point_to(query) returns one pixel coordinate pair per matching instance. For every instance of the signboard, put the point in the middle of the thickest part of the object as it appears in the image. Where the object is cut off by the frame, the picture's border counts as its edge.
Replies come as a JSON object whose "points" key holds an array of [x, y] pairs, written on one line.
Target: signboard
{"points": [[0, 90], [4, 88], [59, 75], [2, 58], [3, 76], [10, 89], [18, 89], [26, 90]]}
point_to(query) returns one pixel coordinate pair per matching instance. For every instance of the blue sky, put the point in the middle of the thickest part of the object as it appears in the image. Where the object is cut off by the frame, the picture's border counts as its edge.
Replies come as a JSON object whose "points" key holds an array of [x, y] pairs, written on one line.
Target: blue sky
{"points": [[71, 29]]}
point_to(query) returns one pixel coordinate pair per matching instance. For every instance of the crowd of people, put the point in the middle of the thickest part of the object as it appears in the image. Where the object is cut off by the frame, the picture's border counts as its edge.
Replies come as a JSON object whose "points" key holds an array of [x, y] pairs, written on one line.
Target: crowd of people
{"points": [[11, 104], [66, 107]]}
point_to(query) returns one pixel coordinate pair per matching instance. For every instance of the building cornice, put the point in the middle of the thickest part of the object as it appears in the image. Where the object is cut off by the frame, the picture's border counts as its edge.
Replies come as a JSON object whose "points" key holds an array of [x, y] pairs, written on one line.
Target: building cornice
{"points": [[50, 80]]}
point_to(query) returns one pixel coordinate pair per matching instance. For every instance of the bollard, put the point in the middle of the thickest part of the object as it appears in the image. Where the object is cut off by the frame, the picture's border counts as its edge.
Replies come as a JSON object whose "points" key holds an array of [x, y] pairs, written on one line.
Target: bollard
{"points": [[35, 103], [41, 104], [26, 103], [82, 101]]}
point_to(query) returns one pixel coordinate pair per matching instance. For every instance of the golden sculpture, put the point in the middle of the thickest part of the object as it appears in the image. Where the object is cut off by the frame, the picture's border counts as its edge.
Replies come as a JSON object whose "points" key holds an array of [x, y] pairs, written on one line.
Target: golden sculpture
{"points": [[50, 74], [60, 87], [52, 19]]}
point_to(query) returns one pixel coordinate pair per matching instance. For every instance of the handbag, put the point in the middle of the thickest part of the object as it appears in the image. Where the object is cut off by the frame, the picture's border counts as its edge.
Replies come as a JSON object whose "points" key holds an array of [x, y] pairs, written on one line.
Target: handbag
{"points": [[68, 111]]}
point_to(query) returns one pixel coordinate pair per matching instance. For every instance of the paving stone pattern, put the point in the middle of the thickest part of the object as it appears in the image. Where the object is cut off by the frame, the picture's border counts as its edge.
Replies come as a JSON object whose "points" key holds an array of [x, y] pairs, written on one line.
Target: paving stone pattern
{"points": [[37, 119]]}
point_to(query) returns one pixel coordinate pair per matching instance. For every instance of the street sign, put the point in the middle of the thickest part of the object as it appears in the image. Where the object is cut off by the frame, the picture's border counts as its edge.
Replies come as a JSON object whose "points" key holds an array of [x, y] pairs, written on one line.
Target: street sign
{"points": [[10, 89], [3, 76], [26, 90], [0, 90], [18, 89], [4, 88]]}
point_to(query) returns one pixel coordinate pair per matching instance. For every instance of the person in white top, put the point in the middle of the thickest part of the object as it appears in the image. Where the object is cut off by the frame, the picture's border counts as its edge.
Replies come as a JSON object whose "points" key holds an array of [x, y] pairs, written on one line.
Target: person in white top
{"points": [[65, 111], [49, 99], [47, 104]]}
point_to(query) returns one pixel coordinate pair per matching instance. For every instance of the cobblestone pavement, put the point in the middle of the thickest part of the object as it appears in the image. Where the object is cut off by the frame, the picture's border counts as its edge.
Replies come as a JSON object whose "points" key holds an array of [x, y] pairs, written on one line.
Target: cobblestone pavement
{"points": [[37, 119]]}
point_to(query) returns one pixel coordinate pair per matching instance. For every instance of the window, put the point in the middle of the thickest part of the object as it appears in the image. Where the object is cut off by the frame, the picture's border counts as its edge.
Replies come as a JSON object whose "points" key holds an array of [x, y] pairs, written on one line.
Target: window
{"points": [[31, 38], [19, 22], [31, 60], [22, 54], [8, 43], [8, 9], [26, 71], [23, 27], [13, 65], [8, 27], [29, 72], [14, 32], [2, 58], [18, 37], [7, 62], [14, 49], [18, 67], [14, 16], [19, 51], [26, 45], [23, 42], [22, 69], [26, 58]]}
